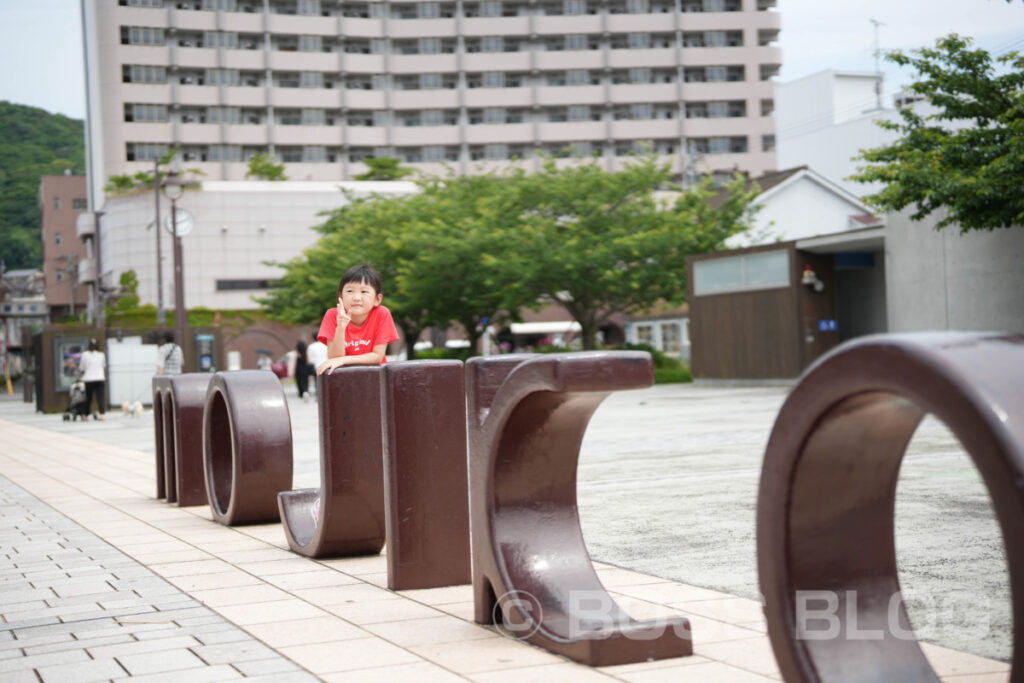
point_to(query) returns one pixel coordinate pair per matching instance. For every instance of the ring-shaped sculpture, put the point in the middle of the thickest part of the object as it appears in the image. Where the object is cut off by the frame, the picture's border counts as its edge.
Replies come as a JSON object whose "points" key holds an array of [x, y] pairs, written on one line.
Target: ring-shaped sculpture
{"points": [[825, 517], [247, 446], [527, 416]]}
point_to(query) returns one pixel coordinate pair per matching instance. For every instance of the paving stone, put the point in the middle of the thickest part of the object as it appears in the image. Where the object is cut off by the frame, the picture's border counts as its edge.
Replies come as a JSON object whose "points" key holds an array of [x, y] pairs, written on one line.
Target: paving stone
{"points": [[159, 662], [83, 672], [230, 653]]}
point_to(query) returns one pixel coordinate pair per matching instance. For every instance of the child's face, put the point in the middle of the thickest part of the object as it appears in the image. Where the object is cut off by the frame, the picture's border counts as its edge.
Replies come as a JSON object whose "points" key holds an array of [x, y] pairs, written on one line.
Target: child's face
{"points": [[359, 299]]}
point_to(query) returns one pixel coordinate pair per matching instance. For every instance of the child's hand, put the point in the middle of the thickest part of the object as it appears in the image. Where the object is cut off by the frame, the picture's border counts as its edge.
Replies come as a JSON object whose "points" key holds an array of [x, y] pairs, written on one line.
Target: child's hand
{"points": [[343, 317], [330, 364]]}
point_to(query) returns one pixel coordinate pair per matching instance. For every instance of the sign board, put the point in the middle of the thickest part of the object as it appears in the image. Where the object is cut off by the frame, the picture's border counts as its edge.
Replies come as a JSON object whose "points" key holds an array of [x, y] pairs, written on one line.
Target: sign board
{"points": [[828, 325]]}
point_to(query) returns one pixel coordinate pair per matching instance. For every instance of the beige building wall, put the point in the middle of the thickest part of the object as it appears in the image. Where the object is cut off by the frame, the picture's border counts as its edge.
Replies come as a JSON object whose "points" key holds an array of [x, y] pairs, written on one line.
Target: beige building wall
{"points": [[61, 199], [323, 84]]}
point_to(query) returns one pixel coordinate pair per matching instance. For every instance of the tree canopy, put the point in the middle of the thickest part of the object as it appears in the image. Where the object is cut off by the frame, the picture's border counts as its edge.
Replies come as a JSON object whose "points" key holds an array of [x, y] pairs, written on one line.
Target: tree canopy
{"points": [[262, 167], [383, 168], [469, 248], [968, 156], [33, 143]]}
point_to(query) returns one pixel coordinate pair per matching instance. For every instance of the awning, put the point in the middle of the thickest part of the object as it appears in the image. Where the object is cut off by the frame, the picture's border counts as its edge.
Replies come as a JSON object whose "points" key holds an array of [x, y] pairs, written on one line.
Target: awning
{"points": [[554, 327]]}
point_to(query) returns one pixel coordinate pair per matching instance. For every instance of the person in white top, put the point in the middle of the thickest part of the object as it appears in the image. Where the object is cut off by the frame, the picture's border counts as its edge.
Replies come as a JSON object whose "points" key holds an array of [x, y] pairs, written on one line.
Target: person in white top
{"points": [[316, 353], [93, 366]]}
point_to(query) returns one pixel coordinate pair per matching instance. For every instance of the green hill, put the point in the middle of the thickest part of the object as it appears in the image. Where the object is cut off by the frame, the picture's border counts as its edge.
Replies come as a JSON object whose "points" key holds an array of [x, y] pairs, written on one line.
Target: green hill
{"points": [[33, 143]]}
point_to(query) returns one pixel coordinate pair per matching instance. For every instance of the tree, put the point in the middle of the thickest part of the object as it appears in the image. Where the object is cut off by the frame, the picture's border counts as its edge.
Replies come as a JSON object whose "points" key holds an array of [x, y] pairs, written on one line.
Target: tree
{"points": [[143, 180], [383, 168], [602, 243], [262, 166], [968, 157]]}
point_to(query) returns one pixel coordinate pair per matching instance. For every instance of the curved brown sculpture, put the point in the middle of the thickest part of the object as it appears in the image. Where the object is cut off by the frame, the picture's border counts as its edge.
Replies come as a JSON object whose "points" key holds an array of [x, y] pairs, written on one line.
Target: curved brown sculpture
{"points": [[161, 384], [527, 416], [826, 552], [247, 446], [350, 519], [425, 480], [184, 401]]}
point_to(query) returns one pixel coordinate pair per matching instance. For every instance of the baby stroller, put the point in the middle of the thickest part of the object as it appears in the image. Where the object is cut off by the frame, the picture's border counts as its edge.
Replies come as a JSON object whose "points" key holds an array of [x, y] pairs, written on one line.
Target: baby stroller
{"points": [[77, 405]]}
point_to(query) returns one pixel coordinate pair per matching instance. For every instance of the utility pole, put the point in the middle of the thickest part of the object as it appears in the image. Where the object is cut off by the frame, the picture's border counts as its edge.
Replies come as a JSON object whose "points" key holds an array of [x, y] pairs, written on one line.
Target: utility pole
{"points": [[878, 68], [161, 314]]}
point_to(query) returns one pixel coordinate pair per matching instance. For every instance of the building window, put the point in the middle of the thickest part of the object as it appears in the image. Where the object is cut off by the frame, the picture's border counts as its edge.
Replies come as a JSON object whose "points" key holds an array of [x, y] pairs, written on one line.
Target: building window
{"points": [[60, 276], [227, 39], [56, 203], [429, 46], [145, 113], [760, 270], [314, 154], [380, 46], [644, 334], [79, 204], [57, 239], [142, 3], [141, 35], [141, 151], [139, 73], [310, 44], [232, 285], [224, 5], [641, 112], [490, 8], [579, 112], [767, 143], [493, 79], [767, 107], [576, 41], [224, 153], [222, 77], [309, 7], [574, 7], [639, 41], [637, 6], [577, 77], [639, 75]]}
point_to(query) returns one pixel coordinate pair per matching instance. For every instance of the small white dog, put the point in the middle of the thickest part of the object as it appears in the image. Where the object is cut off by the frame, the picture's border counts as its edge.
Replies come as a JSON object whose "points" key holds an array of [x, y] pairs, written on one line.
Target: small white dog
{"points": [[130, 409]]}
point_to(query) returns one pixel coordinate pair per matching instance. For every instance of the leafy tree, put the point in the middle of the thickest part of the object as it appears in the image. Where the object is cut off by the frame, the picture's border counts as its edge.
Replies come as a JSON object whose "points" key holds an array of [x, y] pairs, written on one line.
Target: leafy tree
{"points": [[262, 166], [383, 168], [602, 243], [968, 157], [33, 143], [143, 180]]}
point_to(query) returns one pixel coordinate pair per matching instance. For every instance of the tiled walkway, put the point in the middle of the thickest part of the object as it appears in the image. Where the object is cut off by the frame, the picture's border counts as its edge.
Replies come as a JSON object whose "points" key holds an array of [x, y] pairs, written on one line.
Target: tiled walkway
{"points": [[99, 581]]}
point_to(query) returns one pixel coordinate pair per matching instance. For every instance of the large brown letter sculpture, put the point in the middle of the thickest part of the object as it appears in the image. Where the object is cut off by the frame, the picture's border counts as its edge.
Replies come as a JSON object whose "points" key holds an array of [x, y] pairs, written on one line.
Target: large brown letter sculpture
{"points": [[426, 499], [828, 488], [528, 551], [178, 402], [247, 446], [350, 520]]}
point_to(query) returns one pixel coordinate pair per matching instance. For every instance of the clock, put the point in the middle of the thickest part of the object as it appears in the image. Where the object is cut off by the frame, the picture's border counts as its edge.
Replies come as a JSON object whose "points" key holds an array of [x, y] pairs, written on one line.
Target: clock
{"points": [[185, 222]]}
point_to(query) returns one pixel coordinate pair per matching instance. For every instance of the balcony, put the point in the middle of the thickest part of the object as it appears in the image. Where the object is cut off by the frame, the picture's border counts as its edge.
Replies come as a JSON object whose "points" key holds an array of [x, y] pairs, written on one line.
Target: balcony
{"points": [[412, 136], [495, 133], [571, 131], [497, 61], [565, 24], [422, 28], [86, 271], [649, 57], [85, 225], [570, 94], [415, 64]]}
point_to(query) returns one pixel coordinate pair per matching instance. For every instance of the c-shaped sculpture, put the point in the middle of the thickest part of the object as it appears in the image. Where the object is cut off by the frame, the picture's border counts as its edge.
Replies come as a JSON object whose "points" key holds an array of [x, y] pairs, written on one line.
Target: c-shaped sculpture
{"points": [[178, 402], [349, 519], [247, 446], [828, 489], [527, 416]]}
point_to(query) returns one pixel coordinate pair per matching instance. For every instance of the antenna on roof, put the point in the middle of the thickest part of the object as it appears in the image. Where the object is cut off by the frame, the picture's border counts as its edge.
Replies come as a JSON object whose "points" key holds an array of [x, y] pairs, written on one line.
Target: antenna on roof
{"points": [[878, 69]]}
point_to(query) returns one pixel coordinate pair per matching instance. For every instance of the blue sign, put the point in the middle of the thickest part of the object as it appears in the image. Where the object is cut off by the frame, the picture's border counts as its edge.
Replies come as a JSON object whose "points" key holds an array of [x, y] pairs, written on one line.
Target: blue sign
{"points": [[828, 325]]}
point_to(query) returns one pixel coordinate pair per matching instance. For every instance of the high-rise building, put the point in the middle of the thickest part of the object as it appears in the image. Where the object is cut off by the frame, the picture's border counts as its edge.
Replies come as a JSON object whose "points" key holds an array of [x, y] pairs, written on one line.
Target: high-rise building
{"points": [[321, 85]]}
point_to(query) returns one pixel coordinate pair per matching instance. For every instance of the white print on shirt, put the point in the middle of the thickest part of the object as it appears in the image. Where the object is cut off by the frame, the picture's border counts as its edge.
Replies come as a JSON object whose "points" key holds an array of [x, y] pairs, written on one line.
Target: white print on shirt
{"points": [[356, 344]]}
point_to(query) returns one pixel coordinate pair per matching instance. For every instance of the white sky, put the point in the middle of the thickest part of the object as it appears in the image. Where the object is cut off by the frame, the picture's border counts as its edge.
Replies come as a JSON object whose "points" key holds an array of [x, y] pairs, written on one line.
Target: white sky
{"points": [[41, 45]]}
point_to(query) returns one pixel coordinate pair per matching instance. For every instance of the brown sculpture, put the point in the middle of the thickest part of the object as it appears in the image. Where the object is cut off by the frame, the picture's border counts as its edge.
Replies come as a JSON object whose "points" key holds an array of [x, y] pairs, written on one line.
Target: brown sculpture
{"points": [[178, 402], [247, 446], [527, 416], [161, 383], [345, 516], [825, 540], [426, 498]]}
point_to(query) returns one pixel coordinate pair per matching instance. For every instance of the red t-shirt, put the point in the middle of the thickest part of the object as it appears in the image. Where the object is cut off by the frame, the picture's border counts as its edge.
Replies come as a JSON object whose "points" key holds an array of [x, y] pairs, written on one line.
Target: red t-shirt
{"points": [[378, 328]]}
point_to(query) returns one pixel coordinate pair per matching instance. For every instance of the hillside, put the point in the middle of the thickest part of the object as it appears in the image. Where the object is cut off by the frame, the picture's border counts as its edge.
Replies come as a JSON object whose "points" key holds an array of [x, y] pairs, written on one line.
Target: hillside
{"points": [[33, 143]]}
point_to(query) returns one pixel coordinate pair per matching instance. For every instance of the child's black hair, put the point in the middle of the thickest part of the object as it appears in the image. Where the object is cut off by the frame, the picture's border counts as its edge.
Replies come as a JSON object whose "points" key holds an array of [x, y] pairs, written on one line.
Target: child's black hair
{"points": [[363, 273]]}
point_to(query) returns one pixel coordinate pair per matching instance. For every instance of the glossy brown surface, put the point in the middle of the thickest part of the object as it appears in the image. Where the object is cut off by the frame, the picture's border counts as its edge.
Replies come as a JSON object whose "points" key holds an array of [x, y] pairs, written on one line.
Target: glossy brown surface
{"points": [[160, 386], [527, 416], [184, 401], [351, 512], [247, 446], [425, 480], [825, 526]]}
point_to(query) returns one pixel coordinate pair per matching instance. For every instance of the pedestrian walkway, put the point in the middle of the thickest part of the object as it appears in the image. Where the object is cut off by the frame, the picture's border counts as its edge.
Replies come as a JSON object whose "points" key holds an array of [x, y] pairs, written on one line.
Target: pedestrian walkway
{"points": [[100, 581]]}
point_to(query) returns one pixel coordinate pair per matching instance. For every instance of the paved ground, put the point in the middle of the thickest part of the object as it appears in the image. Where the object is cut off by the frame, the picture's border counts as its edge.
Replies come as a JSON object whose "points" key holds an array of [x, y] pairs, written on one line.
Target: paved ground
{"points": [[668, 480]]}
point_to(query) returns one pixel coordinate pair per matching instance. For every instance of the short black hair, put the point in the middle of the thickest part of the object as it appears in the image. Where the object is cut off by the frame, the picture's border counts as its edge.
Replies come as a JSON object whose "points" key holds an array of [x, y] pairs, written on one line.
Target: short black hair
{"points": [[362, 273], [94, 345], [168, 337]]}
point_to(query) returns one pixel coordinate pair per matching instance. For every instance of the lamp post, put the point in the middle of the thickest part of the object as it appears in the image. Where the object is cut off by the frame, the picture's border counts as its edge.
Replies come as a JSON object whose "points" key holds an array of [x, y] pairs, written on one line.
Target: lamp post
{"points": [[161, 316], [173, 188]]}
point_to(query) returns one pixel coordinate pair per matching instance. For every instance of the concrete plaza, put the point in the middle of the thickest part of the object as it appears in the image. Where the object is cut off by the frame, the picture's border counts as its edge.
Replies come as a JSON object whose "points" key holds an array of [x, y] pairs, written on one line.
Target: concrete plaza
{"points": [[100, 581]]}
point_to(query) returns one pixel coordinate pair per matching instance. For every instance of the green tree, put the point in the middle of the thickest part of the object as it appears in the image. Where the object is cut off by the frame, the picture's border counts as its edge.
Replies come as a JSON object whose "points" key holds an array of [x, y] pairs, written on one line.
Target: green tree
{"points": [[602, 243], [383, 168], [262, 166], [143, 180], [968, 157], [33, 143]]}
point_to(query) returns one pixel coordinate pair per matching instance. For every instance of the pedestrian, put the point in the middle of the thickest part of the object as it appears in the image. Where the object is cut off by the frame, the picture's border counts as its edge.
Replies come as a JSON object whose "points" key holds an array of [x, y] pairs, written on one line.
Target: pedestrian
{"points": [[93, 366], [316, 353], [358, 330], [169, 357], [301, 368]]}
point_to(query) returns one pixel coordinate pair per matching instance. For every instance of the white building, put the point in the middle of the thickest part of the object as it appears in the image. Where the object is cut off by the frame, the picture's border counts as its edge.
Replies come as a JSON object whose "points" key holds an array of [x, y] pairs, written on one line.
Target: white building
{"points": [[323, 84], [238, 227]]}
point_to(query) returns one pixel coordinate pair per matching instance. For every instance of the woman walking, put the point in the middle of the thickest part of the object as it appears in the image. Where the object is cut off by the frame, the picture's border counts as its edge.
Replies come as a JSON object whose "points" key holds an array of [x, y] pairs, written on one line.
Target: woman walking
{"points": [[93, 365]]}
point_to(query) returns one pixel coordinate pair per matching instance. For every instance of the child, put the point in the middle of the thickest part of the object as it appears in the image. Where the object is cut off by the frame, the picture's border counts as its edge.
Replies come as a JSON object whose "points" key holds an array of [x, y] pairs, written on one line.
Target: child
{"points": [[358, 330]]}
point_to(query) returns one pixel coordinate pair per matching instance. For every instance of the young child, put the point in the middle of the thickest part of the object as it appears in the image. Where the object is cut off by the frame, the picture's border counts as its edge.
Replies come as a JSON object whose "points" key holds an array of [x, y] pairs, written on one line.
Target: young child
{"points": [[358, 330]]}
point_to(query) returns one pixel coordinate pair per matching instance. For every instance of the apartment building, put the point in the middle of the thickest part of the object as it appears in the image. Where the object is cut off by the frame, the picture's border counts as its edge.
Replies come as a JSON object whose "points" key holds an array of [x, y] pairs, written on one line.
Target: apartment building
{"points": [[324, 84], [61, 199]]}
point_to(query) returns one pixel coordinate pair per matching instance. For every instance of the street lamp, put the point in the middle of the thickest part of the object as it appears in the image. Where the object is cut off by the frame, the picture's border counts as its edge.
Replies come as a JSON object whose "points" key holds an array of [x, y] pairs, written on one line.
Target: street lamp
{"points": [[173, 188]]}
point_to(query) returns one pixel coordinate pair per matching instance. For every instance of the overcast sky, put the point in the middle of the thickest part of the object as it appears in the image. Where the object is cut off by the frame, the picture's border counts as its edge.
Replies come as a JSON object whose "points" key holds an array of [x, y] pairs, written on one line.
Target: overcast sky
{"points": [[41, 44]]}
